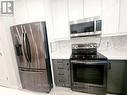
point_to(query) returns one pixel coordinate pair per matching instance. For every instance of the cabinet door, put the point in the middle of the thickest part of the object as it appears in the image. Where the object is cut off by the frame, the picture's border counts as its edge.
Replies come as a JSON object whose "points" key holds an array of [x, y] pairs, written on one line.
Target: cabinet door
{"points": [[58, 68], [60, 19], [125, 83], [67, 73], [110, 16], [35, 10], [123, 16], [92, 8], [75, 9], [115, 79]]}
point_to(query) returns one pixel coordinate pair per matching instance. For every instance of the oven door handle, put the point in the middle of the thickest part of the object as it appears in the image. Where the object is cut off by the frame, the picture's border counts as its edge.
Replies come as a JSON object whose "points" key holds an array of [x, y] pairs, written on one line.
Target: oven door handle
{"points": [[109, 65], [88, 62]]}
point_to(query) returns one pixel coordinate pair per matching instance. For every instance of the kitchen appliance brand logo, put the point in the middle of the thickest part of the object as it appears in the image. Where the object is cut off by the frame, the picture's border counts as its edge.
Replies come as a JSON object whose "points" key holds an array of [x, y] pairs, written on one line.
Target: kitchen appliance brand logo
{"points": [[7, 7]]}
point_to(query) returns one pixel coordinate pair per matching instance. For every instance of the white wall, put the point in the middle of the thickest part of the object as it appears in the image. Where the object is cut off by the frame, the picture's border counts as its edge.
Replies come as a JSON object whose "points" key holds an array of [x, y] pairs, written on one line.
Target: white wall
{"points": [[8, 62]]}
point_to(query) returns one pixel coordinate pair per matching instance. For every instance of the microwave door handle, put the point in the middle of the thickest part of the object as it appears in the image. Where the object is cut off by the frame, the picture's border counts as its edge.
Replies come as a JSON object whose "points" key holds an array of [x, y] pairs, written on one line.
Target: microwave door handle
{"points": [[94, 26]]}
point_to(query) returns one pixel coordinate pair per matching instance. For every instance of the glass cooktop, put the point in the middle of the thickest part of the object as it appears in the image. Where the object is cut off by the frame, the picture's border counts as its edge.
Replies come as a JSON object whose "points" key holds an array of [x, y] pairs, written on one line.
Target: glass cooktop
{"points": [[97, 56]]}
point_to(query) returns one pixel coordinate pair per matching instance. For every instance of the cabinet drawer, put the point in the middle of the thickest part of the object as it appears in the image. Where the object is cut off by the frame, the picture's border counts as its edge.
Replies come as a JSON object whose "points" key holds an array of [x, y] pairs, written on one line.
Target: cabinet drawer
{"points": [[60, 80], [58, 66], [60, 74], [57, 61], [64, 72]]}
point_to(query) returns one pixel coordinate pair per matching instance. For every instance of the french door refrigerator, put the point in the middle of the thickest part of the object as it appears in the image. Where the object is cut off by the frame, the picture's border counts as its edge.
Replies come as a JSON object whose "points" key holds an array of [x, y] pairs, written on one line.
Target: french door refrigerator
{"points": [[32, 54]]}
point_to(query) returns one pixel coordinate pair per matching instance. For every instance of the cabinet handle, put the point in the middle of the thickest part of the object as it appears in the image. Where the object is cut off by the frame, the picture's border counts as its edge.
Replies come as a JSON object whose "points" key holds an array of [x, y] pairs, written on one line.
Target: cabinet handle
{"points": [[109, 65], [60, 68], [59, 61], [67, 63], [60, 74], [61, 81]]}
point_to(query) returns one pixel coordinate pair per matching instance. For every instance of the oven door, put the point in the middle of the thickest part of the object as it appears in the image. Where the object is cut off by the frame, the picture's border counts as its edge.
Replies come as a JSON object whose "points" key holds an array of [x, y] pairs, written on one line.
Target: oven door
{"points": [[92, 73]]}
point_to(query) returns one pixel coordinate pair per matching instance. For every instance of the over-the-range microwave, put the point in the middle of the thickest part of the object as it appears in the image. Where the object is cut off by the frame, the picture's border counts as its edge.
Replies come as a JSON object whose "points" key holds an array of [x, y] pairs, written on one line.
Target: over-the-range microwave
{"points": [[86, 27]]}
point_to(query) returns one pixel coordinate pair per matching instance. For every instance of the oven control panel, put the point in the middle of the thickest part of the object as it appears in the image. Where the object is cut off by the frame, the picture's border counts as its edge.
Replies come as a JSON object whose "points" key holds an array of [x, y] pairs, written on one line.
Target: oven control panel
{"points": [[84, 46]]}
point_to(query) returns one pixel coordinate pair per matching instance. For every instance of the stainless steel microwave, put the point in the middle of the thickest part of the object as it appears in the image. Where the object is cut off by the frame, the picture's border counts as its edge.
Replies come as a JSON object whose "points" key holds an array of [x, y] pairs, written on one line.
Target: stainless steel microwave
{"points": [[86, 28]]}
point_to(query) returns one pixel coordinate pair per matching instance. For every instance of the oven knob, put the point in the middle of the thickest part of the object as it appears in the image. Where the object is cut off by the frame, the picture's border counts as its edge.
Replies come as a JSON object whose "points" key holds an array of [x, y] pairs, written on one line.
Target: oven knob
{"points": [[75, 46], [90, 46], [95, 45]]}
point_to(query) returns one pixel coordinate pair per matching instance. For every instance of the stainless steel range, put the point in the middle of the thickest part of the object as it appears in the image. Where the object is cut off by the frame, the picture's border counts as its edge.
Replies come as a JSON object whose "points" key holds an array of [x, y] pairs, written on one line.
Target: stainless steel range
{"points": [[88, 69]]}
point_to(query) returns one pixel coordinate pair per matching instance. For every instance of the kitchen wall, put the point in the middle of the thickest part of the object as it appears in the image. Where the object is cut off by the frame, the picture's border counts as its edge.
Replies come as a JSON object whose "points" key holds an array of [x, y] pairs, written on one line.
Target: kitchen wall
{"points": [[8, 66]]}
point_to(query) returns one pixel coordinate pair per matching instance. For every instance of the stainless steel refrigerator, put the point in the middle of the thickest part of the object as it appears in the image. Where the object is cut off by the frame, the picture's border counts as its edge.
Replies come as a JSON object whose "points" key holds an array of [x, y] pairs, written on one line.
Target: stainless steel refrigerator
{"points": [[32, 54]]}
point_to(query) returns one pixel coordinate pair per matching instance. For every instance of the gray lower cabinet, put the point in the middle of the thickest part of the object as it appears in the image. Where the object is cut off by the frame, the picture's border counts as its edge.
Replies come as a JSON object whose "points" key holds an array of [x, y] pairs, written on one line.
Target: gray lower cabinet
{"points": [[61, 68], [116, 77], [125, 83]]}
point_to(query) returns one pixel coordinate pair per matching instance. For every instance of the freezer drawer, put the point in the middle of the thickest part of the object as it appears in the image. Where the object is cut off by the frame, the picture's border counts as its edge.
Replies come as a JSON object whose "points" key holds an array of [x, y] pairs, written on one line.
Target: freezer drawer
{"points": [[35, 81]]}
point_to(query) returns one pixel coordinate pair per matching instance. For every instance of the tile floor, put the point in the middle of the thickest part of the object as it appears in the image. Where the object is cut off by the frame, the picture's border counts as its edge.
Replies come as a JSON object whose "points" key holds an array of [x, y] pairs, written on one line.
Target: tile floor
{"points": [[55, 91]]}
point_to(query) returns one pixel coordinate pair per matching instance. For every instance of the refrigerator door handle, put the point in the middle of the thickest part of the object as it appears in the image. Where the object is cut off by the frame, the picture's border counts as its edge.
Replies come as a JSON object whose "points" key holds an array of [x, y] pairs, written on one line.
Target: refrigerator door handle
{"points": [[26, 47]]}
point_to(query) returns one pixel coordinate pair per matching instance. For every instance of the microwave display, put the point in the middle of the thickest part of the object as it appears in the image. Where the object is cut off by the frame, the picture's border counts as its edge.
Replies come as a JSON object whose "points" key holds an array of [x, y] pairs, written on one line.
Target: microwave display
{"points": [[82, 27]]}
